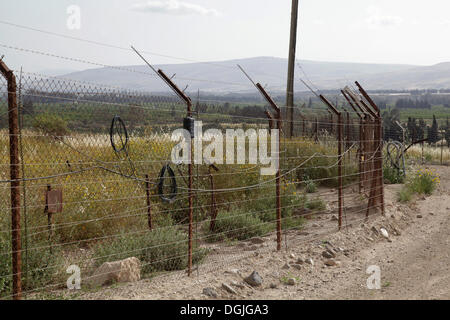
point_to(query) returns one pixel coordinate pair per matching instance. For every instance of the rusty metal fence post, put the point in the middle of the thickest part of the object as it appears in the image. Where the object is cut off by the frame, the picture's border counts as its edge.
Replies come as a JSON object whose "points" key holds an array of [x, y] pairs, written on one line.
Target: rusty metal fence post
{"points": [[278, 174], [316, 130], [347, 135], [188, 102], [304, 127], [149, 204], [340, 155], [378, 137], [49, 217], [180, 93], [361, 155], [278, 181], [279, 122], [360, 152], [214, 211], [13, 121]]}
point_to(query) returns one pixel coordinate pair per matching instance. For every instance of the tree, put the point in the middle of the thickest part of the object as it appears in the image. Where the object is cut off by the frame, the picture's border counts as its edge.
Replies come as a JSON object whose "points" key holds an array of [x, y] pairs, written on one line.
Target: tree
{"points": [[51, 125], [421, 130], [433, 133], [392, 131], [27, 106], [447, 133], [412, 128]]}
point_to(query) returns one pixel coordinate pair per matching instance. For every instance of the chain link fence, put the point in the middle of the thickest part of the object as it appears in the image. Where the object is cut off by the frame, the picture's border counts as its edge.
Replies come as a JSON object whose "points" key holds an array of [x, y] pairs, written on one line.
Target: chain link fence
{"points": [[97, 182]]}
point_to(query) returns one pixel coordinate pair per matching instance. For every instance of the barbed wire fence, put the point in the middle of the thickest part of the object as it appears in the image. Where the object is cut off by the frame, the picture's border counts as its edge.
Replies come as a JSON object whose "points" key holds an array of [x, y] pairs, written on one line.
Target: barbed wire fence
{"points": [[87, 177]]}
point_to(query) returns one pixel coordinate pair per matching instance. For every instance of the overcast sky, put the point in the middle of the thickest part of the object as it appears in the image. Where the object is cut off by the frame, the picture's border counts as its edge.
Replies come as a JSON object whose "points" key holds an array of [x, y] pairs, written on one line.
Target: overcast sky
{"points": [[375, 31]]}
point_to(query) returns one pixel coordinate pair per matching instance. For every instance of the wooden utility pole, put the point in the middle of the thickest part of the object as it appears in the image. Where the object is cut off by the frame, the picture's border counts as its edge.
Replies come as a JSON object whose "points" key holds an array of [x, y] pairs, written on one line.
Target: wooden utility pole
{"points": [[291, 67]]}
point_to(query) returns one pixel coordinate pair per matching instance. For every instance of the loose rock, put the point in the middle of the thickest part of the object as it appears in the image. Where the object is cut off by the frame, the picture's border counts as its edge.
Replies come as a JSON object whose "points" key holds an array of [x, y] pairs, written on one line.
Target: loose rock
{"points": [[310, 261], [237, 284], [330, 262], [127, 270], [228, 288], [397, 232], [384, 233], [254, 279], [328, 254], [286, 266], [291, 282], [210, 292], [232, 271], [374, 230]]}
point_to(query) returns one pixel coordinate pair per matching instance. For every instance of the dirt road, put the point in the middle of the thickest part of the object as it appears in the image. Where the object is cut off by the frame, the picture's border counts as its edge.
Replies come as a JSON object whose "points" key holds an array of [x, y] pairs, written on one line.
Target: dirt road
{"points": [[417, 264]]}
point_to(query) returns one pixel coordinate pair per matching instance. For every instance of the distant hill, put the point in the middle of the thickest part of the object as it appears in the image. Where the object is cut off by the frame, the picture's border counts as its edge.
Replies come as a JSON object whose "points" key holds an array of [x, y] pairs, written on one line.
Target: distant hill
{"points": [[224, 76], [428, 77]]}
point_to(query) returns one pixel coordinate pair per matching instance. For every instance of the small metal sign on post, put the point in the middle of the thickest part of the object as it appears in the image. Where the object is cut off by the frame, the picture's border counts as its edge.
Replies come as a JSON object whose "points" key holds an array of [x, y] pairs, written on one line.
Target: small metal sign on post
{"points": [[53, 204], [54, 201]]}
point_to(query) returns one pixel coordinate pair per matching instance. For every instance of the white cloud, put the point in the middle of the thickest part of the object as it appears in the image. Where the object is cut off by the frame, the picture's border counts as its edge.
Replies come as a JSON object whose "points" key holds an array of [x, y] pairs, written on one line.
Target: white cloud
{"points": [[173, 7], [377, 19]]}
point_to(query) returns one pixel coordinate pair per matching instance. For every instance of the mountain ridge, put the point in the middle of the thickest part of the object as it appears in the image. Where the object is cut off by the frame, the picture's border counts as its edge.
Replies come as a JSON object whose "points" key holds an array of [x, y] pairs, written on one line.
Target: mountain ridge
{"points": [[224, 76]]}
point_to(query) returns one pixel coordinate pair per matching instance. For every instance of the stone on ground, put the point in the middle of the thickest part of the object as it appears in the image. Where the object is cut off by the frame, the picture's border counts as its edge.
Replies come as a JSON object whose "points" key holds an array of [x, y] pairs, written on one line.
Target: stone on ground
{"points": [[291, 282], [127, 270], [228, 288], [328, 254], [210, 292], [384, 233], [330, 262], [310, 261], [254, 279]]}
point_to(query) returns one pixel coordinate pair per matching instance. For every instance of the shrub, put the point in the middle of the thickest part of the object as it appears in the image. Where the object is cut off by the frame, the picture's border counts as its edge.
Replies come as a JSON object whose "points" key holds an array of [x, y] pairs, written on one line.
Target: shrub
{"points": [[424, 181], [238, 225], [310, 186], [315, 204], [392, 175], [5, 267], [292, 222], [42, 267], [265, 208], [404, 195], [163, 249], [50, 124], [428, 157], [291, 202]]}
